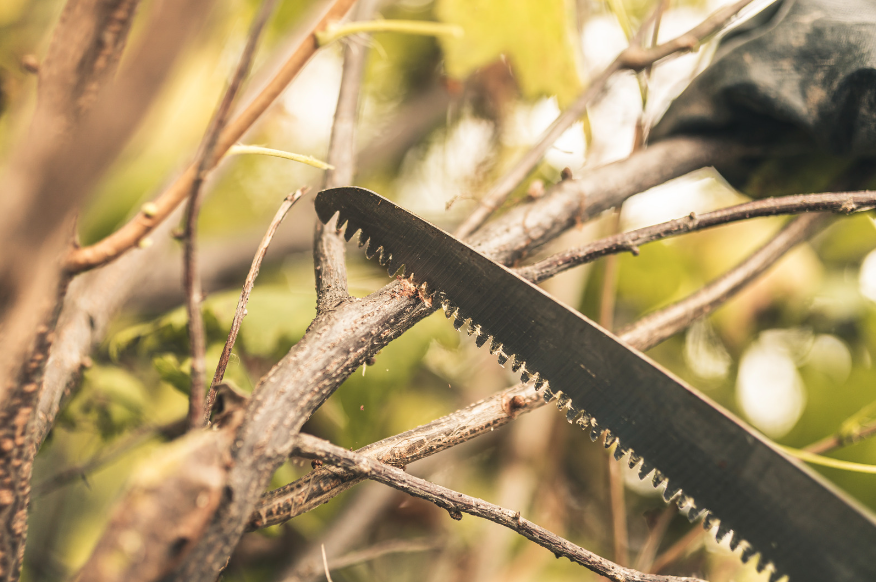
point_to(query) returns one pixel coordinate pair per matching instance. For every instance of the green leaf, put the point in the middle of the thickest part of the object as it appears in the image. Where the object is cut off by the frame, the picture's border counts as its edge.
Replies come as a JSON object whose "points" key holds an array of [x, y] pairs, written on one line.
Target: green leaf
{"points": [[174, 372], [534, 36]]}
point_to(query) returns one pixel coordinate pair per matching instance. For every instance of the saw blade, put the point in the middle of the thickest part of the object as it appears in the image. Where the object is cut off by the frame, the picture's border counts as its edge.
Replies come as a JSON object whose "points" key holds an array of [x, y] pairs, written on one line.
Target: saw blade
{"points": [[712, 465]]}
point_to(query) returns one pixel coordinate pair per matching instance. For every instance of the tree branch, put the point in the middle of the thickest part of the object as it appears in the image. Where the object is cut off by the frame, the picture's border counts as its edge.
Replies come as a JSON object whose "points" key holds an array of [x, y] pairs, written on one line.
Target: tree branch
{"points": [[457, 503], [654, 328], [328, 246], [130, 234], [248, 284], [840, 202], [632, 58], [203, 162]]}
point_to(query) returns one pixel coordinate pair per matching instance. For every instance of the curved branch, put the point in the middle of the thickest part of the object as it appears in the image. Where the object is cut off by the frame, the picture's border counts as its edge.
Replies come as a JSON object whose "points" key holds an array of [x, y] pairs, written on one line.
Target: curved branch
{"points": [[128, 236], [840, 202], [654, 328], [457, 503]]}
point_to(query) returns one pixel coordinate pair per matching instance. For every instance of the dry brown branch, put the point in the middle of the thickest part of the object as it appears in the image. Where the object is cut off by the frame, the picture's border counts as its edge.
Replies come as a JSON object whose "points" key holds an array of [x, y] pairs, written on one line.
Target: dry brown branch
{"points": [[632, 58], [457, 503], [842, 439], [400, 450], [248, 284], [329, 267], [840, 202], [636, 58], [204, 162], [71, 141], [654, 328], [130, 234], [655, 536]]}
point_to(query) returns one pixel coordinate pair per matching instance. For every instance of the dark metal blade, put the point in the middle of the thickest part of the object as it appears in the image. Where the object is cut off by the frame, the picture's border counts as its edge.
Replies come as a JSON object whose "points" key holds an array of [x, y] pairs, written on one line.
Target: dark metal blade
{"points": [[796, 520]]}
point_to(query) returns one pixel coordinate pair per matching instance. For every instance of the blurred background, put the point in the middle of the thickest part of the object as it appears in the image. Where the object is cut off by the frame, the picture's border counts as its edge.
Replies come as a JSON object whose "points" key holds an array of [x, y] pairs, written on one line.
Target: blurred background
{"points": [[441, 120]]}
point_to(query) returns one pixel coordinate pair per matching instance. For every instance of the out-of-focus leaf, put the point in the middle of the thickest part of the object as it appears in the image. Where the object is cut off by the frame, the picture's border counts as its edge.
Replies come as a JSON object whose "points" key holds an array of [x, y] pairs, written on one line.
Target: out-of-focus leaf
{"points": [[174, 372], [276, 318], [111, 398], [533, 36], [849, 239]]}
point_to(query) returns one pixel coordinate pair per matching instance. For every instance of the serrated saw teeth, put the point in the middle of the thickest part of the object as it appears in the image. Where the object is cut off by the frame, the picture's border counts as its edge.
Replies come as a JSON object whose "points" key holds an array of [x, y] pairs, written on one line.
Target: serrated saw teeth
{"points": [[645, 469], [574, 415], [694, 512], [735, 539], [562, 401]]}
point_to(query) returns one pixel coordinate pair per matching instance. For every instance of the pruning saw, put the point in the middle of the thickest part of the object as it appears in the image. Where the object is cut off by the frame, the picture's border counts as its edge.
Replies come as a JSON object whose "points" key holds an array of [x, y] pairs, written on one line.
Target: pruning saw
{"points": [[713, 465]]}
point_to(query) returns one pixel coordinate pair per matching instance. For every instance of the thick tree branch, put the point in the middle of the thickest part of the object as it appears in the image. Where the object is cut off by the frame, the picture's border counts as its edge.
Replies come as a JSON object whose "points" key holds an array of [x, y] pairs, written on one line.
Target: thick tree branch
{"points": [[632, 58], [457, 503], [72, 140], [572, 202], [840, 202], [130, 234]]}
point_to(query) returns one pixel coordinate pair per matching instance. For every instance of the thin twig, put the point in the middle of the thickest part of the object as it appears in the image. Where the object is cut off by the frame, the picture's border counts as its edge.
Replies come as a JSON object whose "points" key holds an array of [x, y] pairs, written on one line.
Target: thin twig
{"points": [[632, 58], [128, 236], [649, 550], [636, 58], [328, 576], [204, 162], [684, 545], [656, 327], [840, 203], [381, 549], [457, 503], [840, 439], [248, 284]]}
